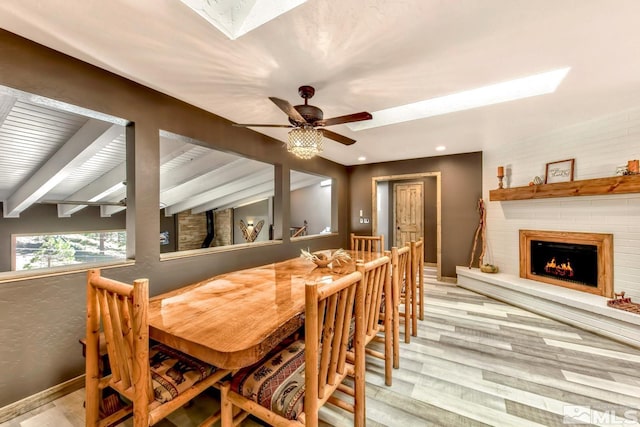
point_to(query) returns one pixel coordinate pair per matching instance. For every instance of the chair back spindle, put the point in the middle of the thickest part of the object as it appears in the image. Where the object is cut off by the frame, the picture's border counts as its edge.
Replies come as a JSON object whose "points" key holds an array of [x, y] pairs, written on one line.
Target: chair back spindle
{"points": [[372, 244]]}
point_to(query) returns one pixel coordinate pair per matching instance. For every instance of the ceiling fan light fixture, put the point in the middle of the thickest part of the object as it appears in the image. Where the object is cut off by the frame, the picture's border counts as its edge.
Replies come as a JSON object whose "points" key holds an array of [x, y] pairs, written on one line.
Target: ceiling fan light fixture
{"points": [[305, 142]]}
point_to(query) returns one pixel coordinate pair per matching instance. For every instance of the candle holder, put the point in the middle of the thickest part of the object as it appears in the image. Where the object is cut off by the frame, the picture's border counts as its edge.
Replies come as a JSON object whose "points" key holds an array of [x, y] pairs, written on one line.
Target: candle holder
{"points": [[500, 177]]}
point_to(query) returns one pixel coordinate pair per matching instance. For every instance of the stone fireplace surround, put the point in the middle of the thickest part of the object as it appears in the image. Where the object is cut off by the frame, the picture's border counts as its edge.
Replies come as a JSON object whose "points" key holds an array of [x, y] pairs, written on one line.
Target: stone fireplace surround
{"points": [[584, 310]]}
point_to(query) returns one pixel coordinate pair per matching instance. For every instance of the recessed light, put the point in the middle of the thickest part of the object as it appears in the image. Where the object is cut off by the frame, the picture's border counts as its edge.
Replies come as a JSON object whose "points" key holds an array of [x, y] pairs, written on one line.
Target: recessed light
{"points": [[441, 148], [362, 158], [235, 19], [524, 87]]}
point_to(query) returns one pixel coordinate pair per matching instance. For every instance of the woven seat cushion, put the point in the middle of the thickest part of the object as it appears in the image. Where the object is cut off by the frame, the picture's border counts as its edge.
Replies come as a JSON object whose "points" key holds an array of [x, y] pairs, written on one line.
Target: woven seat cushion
{"points": [[173, 372], [277, 381]]}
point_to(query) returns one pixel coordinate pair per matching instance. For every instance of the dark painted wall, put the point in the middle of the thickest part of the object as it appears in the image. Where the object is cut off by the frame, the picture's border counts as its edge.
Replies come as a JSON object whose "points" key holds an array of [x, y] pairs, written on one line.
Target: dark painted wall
{"points": [[461, 188], [42, 318], [430, 219]]}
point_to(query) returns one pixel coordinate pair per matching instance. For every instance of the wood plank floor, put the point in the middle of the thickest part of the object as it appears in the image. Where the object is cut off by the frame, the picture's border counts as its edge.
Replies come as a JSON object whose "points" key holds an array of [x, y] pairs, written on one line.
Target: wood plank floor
{"points": [[476, 362]]}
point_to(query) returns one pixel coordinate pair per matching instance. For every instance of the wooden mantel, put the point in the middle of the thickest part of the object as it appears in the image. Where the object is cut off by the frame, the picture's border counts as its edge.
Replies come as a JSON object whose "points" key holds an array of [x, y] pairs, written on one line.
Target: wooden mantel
{"points": [[585, 187]]}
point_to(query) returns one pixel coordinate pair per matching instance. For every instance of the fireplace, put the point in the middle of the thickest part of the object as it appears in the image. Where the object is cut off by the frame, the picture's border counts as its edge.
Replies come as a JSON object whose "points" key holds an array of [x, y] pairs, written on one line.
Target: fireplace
{"points": [[581, 261]]}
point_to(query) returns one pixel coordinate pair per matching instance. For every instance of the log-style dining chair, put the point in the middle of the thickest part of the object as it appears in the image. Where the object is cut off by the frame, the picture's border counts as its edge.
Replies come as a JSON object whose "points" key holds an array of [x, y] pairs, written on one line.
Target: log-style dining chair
{"points": [[156, 380], [401, 285], [367, 243], [377, 282], [417, 262], [288, 386]]}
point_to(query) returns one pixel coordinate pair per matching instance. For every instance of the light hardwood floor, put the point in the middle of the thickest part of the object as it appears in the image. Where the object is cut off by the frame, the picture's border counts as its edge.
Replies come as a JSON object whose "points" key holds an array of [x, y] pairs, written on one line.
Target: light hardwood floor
{"points": [[476, 362]]}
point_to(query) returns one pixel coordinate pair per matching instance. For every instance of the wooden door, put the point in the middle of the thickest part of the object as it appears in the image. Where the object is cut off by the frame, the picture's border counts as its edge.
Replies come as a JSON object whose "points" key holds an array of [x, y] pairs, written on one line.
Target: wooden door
{"points": [[408, 212]]}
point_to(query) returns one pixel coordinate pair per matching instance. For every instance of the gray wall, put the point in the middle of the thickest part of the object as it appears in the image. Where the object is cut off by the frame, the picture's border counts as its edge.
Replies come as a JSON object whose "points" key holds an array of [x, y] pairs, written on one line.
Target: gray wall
{"points": [[42, 318], [461, 189], [312, 203]]}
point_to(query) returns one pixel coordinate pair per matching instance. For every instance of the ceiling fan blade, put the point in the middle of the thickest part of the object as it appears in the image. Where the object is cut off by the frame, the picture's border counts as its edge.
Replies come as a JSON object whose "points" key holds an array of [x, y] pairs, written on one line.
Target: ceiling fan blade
{"points": [[241, 125], [349, 118], [288, 110], [337, 137]]}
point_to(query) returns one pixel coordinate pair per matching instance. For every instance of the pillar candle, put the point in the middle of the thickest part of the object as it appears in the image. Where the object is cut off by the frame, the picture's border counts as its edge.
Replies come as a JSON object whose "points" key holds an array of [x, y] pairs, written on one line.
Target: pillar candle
{"points": [[500, 170]]}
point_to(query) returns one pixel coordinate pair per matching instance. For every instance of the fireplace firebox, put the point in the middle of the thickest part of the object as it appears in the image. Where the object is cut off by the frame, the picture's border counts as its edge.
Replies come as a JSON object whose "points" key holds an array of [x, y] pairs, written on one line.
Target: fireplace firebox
{"points": [[581, 261]]}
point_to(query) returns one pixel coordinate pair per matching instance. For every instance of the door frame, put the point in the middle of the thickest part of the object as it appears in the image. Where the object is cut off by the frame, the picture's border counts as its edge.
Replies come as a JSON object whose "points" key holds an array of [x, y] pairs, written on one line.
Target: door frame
{"points": [[374, 206]]}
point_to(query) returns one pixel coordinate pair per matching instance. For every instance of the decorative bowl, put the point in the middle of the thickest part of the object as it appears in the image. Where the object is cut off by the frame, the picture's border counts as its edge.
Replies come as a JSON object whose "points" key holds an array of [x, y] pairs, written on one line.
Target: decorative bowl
{"points": [[323, 260], [489, 268], [322, 263]]}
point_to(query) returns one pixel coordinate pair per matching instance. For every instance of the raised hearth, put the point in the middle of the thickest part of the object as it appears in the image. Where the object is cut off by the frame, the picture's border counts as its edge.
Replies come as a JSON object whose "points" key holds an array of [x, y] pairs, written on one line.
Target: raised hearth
{"points": [[579, 261], [581, 309]]}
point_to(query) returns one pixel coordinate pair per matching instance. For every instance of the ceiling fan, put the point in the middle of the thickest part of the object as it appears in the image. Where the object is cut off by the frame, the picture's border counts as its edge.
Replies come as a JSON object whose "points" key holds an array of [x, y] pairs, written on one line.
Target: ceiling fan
{"points": [[309, 116]]}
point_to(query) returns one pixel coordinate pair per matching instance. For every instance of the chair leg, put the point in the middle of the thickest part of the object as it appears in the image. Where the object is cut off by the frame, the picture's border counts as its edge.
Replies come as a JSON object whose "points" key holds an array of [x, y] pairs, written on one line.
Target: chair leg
{"points": [[396, 335], [226, 408], [414, 308], [388, 339], [407, 314], [92, 402], [421, 300]]}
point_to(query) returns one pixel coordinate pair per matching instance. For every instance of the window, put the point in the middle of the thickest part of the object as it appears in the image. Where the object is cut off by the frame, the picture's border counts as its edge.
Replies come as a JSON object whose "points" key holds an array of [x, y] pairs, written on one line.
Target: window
{"points": [[62, 174], [54, 250], [210, 198]]}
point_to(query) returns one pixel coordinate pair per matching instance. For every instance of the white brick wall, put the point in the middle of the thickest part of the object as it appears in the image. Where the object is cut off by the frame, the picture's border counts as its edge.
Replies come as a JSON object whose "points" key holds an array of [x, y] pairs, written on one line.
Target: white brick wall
{"points": [[597, 146]]}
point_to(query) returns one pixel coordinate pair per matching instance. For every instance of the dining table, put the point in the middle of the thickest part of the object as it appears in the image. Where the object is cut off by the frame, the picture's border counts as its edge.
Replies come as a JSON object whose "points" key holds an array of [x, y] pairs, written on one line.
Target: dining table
{"points": [[233, 320]]}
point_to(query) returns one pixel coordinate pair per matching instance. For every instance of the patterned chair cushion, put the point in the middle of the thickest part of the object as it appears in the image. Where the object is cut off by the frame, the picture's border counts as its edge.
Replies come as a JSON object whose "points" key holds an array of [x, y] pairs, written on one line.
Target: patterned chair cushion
{"points": [[173, 372], [277, 381]]}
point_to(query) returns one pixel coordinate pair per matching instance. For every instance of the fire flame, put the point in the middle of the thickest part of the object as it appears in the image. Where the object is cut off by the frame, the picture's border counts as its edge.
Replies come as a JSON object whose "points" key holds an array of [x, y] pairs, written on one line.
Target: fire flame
{"points": [[563, 269]]}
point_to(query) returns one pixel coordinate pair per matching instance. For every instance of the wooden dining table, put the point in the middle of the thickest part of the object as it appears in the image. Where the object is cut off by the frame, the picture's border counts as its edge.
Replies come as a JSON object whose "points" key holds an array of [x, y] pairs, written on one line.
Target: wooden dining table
{"points": [[234, 319]]}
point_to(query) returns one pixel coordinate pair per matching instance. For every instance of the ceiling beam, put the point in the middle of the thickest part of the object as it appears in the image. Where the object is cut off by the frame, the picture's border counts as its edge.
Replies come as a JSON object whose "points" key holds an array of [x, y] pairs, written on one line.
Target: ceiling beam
{"points": [[202, 187], [254, 198], [6, 104], [232, 200], [87, 141], [96, 190], [231, 187], [206, 163], [107, 211]]}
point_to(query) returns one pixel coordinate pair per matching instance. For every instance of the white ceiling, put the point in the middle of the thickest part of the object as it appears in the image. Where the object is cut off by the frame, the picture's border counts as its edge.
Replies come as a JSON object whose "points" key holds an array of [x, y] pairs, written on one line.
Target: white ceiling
{"points": [[364, 55]]}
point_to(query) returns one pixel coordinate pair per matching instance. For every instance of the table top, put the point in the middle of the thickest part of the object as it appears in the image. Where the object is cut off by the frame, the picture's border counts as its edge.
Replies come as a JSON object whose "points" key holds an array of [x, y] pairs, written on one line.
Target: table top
{"points": [[234, 319]]}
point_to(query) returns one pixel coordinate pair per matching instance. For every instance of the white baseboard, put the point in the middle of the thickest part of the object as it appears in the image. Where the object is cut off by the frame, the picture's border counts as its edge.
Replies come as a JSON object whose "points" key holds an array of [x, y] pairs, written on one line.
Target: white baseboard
{"points": [[32, 402], [583, 310]]}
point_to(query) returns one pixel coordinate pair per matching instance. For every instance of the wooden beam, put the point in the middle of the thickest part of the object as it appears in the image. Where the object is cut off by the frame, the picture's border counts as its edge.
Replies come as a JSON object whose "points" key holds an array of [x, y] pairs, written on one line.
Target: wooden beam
{"points": [[586, 187], [87, 141]]}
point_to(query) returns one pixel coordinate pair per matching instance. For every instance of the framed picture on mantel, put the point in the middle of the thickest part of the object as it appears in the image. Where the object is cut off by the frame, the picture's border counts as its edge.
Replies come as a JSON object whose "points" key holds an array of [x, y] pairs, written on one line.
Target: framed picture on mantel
{"points": [[561, 171]]}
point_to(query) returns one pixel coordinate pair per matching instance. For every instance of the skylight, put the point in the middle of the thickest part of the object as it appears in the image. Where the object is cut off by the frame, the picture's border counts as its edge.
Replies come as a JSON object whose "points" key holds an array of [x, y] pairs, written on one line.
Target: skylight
{"points": [[538, 84], [235, 18]]}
